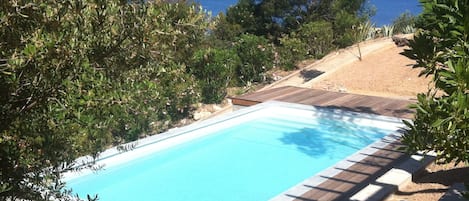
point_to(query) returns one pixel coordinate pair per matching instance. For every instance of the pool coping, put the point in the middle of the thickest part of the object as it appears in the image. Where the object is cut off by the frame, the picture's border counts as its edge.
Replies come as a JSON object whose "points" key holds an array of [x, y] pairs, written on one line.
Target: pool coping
{"points": [[395, 178], [296, 190]]}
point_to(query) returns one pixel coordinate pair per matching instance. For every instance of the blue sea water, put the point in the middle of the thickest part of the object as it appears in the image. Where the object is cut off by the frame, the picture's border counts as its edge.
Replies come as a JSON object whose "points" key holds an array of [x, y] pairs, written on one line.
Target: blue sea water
{"points": [[386, 10]]}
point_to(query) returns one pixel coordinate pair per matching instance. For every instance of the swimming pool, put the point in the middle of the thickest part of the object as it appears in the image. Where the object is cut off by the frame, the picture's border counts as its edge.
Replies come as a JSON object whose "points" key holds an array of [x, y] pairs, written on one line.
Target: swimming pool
{"points": [[252, 154]]}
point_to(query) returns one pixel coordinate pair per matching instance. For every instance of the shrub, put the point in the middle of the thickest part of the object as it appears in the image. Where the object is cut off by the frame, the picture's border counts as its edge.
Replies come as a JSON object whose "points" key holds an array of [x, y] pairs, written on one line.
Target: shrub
{"points": [[291, 50], [343, 24], [441, 48], [214, 69], [404, 23], [318, 37], [387, 30], [79, 76], [256, 57]]}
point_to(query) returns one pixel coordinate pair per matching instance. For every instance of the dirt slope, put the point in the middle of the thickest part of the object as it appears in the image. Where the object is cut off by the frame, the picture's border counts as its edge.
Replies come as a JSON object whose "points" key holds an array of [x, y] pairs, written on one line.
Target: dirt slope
{"points": [[381, 72]]}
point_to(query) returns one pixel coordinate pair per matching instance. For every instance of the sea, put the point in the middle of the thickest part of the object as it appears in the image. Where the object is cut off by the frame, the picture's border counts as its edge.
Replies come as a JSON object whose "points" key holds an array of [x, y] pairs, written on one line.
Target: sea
{"points": [[386, 10]]}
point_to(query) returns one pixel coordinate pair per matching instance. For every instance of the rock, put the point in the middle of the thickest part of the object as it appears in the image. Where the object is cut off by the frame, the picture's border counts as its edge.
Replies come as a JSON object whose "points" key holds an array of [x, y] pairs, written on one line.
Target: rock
{"points": [[342, 90], [400, 42], [201, 115], [216, 108]]}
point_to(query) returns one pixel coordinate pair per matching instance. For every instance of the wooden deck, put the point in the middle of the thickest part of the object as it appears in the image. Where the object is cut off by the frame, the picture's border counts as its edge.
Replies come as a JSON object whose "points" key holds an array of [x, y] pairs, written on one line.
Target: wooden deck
{"points": [[352, 102], [345, 184], [351, 180]]}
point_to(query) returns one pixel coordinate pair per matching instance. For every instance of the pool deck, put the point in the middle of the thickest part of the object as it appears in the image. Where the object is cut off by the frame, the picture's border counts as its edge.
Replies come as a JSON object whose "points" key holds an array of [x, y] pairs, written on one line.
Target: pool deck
{"points": [[352, 102], [349, 181]]}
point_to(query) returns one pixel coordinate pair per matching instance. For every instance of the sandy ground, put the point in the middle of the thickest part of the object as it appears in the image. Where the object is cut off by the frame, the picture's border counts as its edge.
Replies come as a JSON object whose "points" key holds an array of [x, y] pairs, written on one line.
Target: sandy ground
{"points": [[381, 72], [432, 183]]}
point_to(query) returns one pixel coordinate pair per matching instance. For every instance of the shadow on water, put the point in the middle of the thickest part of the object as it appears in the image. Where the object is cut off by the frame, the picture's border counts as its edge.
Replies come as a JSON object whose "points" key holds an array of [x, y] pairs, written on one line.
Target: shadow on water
{"points": [[342, 110], [333, 131], [400, 113], [306, 141]]}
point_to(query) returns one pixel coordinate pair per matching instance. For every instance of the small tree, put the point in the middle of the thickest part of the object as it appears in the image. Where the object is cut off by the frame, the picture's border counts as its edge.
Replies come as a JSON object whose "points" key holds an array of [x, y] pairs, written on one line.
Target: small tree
{"points": [[441, 47], [79, 76], [313, 39], [362, 32], [318, 37], [214, 69], [256, 55], [291, 50]]}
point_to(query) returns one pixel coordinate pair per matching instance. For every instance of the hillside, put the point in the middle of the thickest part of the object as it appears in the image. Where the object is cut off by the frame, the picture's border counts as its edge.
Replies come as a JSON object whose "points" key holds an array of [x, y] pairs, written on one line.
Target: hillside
{"points": [[381, 72]]}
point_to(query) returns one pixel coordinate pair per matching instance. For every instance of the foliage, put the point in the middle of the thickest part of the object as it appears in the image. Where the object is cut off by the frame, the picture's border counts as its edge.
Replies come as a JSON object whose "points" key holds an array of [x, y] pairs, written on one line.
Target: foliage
{"points": [[256, 57], [409, 29], [320, 25], [269, 18], [79, 76], [387, 30], [214, 68], [344, 35], [275, 18], [290, 51], [226, 31], [349, 14], [362, 32], [441, 47], [314, 39], [404, 23], [317, 36], [239, 19]]}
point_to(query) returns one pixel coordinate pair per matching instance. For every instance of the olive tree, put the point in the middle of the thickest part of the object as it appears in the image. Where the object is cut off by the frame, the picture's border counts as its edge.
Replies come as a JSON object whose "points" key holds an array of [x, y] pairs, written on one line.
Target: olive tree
{"points": [[79, 76]]}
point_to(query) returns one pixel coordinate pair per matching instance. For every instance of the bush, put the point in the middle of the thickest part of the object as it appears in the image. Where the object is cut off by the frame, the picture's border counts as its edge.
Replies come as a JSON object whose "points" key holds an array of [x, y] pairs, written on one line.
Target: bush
{"points": [[387, 30], [312, 39], [256, 57], [404, 23], [291, 50], [318, 37], [214, 69], [441, 48], [343, 33], [79, 76]]}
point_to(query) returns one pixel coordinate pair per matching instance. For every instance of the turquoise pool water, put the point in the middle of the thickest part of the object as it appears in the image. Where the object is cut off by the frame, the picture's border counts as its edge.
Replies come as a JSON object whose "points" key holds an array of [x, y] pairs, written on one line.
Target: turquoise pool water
{"points": [[253, 160]]}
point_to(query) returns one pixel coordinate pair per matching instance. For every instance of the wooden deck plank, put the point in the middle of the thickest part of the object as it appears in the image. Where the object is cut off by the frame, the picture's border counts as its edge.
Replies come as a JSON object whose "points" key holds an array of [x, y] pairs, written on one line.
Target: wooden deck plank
{"points": [[343, 100], [349, 181], [244, 102], [297, 94], [353, 102], [300, 96], [267, 94]]}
